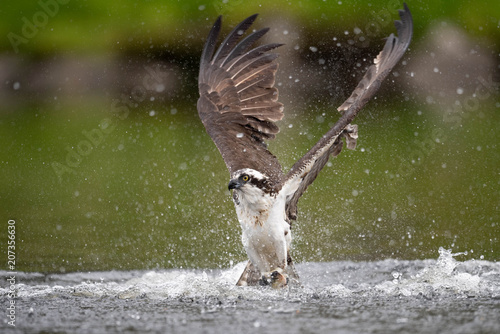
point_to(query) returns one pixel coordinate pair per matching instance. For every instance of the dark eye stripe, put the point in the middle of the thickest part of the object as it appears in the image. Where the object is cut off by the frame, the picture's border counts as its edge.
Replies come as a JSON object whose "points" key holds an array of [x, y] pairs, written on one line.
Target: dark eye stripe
{"points": [[259, 183]]}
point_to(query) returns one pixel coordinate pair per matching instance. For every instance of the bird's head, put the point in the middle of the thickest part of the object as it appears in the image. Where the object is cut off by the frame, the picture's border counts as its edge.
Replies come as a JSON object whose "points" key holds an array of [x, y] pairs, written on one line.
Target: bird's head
{"points": [[249, 182]]}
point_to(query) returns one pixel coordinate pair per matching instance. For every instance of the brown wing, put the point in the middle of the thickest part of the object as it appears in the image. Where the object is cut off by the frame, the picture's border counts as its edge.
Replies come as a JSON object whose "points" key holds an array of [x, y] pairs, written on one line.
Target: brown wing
{"points": [[308, 167], [238, 103]]}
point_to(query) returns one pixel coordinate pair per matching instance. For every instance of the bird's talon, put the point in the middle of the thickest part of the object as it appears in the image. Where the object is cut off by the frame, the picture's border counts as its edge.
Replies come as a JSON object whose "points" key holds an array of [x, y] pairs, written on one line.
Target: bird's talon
{"points": [[278, 280], [264, 281]]}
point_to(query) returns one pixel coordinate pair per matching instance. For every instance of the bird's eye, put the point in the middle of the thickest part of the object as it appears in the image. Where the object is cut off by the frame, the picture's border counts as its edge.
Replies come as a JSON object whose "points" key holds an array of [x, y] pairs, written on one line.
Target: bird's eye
{"points": [[245, 178]]}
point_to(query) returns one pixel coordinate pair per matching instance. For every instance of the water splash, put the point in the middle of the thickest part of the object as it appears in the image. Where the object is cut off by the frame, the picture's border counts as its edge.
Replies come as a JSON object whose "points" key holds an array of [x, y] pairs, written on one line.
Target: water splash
{"points": [[437, 278], [428, 278], [383, 296]]}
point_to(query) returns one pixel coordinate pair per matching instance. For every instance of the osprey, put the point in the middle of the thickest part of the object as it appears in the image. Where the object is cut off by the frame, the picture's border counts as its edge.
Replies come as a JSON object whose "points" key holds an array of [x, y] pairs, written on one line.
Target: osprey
{"points": [[239, 106]]}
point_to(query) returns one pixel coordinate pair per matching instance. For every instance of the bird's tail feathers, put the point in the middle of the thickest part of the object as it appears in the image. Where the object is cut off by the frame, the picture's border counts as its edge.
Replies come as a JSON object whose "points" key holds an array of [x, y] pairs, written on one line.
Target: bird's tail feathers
{"points": [[250, 276]]}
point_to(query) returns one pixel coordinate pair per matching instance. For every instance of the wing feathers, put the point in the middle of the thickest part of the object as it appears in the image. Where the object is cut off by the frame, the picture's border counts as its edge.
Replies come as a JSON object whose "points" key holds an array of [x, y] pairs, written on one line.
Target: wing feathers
{"points": [[253, 66], [256, 94], [307, 168], [393, 50], [230, 41], [261, 79], [209, 48], [246, 43], [238, 102], [241, 60]]}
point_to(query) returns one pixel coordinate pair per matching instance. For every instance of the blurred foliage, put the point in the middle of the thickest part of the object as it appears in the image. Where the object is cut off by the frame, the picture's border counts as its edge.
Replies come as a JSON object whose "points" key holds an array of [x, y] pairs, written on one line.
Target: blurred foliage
{"points": [[94, 26], [150, 191]]}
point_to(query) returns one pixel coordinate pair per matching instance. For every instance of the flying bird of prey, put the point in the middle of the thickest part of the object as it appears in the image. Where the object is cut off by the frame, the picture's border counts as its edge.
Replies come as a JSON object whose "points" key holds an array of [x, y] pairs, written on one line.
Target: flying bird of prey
{"points": [[239, 106]]}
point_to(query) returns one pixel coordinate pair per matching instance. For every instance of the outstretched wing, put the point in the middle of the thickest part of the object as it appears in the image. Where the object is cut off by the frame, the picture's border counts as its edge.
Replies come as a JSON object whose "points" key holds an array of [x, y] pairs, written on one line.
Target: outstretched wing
{"points": [[307, 168], [238, 103]]}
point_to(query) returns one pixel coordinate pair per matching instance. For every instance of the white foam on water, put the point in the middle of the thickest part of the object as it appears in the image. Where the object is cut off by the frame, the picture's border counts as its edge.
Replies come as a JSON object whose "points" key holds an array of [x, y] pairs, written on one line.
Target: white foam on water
{"points": [[430, 278], [437, 278], [171, 284], [195, 284], [337, 290]]}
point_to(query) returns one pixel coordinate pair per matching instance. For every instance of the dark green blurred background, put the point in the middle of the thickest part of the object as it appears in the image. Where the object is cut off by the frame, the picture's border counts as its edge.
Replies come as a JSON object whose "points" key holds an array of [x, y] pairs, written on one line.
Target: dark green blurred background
{"points": [[105, 164]]}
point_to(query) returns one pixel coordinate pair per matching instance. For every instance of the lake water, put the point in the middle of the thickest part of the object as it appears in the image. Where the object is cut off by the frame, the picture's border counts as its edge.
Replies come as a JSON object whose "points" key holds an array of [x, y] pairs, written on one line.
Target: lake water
{"points": [[391, 296]]}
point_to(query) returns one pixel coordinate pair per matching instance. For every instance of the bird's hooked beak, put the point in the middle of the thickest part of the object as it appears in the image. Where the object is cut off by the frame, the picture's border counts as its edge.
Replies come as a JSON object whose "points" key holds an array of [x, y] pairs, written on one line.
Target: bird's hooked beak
{"points": [[234, 184]]}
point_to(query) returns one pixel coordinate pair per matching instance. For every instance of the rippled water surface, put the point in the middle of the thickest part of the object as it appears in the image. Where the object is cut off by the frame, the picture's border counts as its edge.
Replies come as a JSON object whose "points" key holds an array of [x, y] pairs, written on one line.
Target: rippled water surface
{"points": [[391, 296]]}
